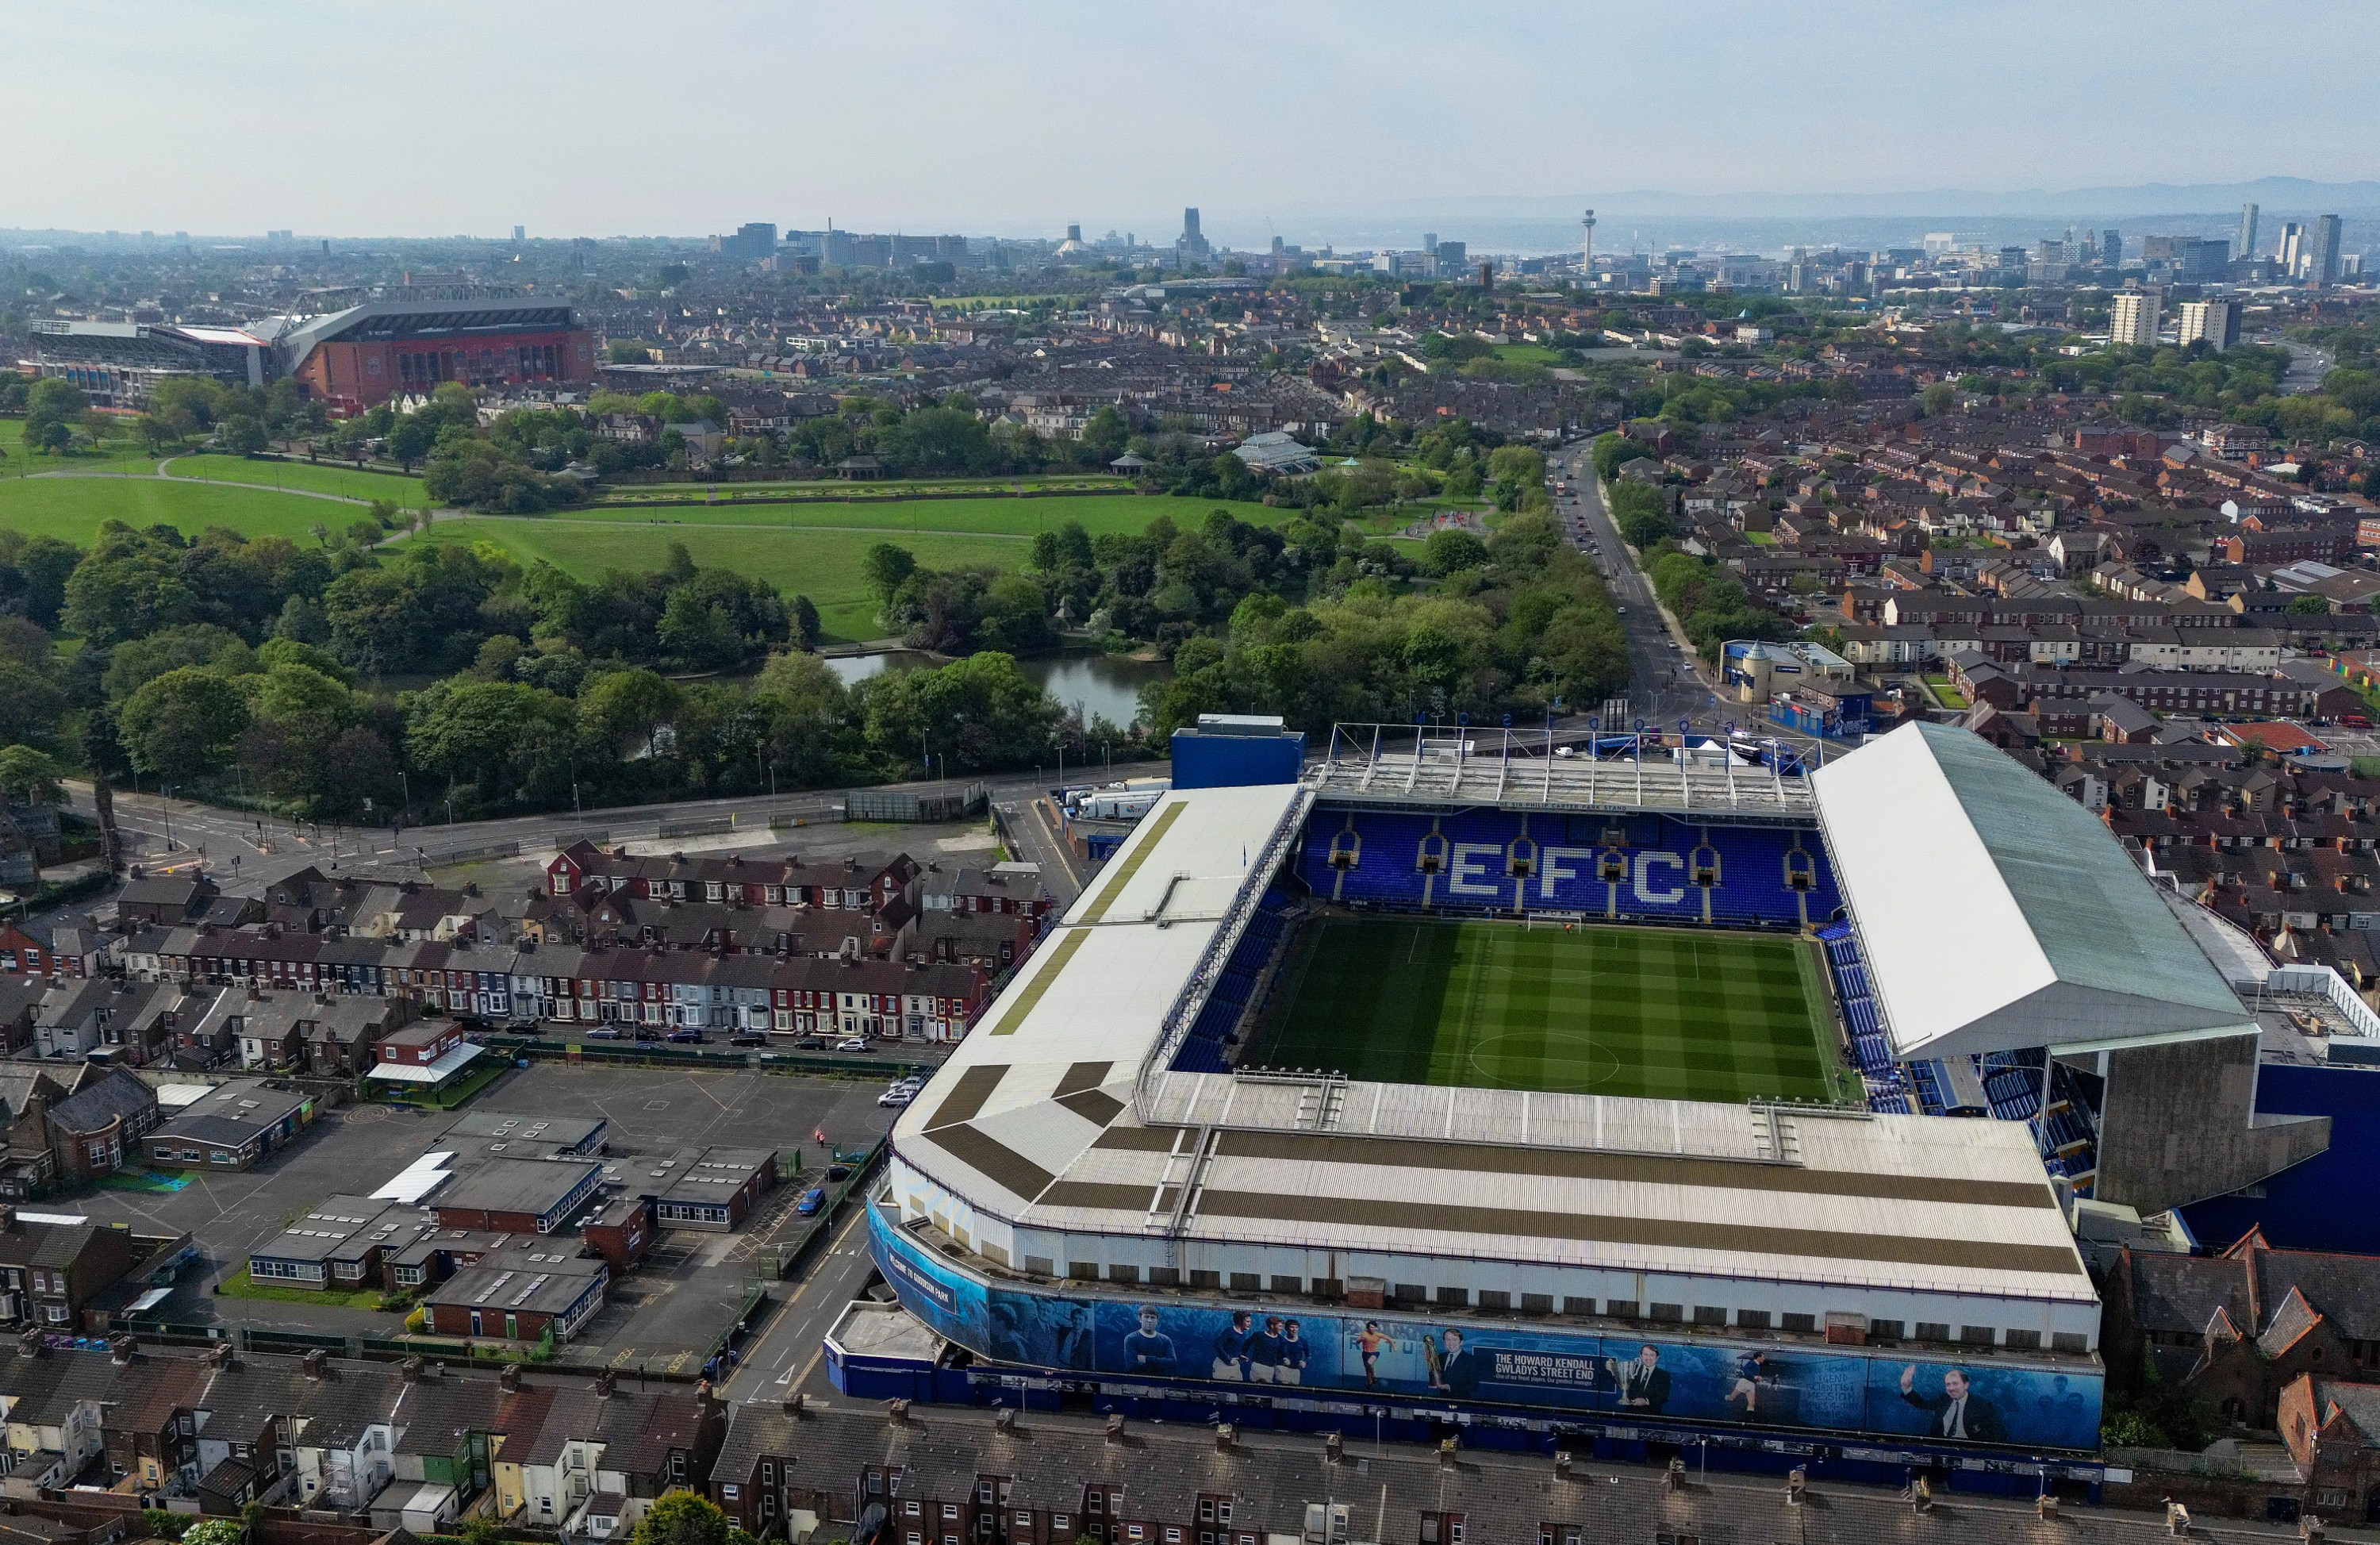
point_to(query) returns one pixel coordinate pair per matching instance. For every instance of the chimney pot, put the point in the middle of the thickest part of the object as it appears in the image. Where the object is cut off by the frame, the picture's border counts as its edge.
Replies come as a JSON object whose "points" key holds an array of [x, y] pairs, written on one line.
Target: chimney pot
{"points": [[604, 1382], [1447, 1448], [897, 1411], [1006, 1420], [1561, 1464], [1797, 1486], [2046, 1504], [1674, 1478], [1334, 1447]]}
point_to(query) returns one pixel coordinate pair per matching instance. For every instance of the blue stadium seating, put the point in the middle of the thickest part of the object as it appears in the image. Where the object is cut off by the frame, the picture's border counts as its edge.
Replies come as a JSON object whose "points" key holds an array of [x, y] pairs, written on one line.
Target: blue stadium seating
{"points": [[1217, 1027], [1632, 866]]}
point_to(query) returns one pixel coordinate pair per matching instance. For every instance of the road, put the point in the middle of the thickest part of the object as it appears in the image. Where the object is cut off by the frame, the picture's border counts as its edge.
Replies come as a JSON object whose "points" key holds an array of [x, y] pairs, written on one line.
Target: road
{"points": [[1663, 681], [776, 1363], [172, 833]]}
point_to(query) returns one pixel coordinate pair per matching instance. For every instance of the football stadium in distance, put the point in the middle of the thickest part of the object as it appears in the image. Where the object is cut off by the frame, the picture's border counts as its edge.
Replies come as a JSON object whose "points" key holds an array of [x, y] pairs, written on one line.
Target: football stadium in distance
{"points": [[1614, 1095]]}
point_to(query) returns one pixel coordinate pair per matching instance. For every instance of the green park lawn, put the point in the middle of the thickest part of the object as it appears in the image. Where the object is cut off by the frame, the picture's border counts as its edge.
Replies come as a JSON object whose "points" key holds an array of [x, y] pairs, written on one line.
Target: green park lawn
{"points": [[1527, 354], [72, 508], [824, 566], [118, 454], [312, 477], [843, 490], [1011, 516]]}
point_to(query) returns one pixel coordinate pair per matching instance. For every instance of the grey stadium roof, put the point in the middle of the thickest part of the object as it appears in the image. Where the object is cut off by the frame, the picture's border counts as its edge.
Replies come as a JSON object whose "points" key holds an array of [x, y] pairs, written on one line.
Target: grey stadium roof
{"points": [[1995, 913]]}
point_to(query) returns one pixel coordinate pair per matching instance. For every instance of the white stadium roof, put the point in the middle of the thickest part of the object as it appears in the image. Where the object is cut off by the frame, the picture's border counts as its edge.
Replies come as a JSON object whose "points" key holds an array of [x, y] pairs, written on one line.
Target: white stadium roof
{"points": [[1995, 913]]}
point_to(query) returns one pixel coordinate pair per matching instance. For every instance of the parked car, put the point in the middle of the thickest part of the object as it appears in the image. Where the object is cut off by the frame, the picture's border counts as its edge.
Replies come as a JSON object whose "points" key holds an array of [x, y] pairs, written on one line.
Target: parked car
{"points": [[686, 1038], [604, 1032], [897, 1096], [749, 1037], [838, 1171], [852, 1044], [810, 1043], [812, 1199]]}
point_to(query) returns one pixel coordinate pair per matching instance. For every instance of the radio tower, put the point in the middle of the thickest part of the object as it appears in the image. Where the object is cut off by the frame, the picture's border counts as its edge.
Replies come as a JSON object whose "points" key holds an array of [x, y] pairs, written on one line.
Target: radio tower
{"points": [[1587, 249]]}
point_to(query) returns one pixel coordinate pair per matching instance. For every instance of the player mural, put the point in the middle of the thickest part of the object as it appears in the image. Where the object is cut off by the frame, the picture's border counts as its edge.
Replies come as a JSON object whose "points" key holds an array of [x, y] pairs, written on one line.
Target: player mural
{"points": [[1866, 1390]]}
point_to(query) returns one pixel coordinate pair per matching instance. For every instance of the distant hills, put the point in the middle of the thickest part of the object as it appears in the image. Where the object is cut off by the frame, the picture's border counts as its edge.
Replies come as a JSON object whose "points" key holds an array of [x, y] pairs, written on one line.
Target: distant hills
{"points": [[2285, 195]]}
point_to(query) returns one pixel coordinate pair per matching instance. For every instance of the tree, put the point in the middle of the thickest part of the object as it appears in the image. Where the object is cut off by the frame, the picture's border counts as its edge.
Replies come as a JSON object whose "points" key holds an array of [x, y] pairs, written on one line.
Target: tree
{"points": [[1450, 550], [886, 568], [2309, 607], [214, 1531], [682, 1518], [242, 435], [52, 409], [1517, 467], [807, 628], [31, 775], [183, 724], [620, 712], [410, 438], [1610, 450]]}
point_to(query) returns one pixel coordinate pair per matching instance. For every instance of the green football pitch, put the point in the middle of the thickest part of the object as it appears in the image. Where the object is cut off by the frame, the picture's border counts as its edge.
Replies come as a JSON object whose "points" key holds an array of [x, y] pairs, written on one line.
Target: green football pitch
{"points": [[1661, 1012]]}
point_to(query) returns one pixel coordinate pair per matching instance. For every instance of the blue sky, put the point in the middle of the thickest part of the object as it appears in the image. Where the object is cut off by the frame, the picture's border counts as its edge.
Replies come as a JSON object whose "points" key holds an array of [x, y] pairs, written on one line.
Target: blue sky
{"points": [[598, 118]]}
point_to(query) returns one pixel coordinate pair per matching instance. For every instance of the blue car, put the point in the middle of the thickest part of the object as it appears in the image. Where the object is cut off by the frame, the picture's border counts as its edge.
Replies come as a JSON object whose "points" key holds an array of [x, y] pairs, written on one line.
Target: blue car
{"points": [[812, 1199]]}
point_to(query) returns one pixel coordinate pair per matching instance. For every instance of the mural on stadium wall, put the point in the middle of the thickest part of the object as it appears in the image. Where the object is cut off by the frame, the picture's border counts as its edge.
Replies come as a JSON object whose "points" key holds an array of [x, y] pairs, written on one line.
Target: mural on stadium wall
{"points": [[1871, 1391], [1642, 866]]}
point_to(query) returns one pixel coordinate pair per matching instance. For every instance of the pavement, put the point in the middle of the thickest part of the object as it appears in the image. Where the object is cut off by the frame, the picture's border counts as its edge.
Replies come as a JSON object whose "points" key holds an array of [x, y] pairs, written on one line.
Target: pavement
{"points": [[792, 1342]]}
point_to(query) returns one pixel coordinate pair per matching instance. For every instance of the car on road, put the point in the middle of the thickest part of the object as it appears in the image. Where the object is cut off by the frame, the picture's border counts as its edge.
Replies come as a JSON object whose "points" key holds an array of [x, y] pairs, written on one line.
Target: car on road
{"points": [[812, 1201], [749, 1037], [1620, 611], [686, 1038], [852, 1044], [810, 1043]]}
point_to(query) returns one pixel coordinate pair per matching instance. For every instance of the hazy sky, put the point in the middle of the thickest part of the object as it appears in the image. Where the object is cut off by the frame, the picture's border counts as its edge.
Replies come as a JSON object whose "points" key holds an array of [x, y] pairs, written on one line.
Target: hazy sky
{"points": [[592, 118]]}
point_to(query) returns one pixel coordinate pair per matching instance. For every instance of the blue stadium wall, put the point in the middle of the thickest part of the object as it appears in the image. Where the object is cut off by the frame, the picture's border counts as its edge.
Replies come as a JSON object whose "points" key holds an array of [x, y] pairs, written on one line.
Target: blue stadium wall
{"points": [[1652, 867], [1477, 1364], [2327, 1203]]}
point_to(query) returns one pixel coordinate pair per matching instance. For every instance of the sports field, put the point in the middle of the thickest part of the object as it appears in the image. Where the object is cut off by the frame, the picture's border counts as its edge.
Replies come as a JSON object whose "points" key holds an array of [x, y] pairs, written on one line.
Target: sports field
{"points": [[1660, 1013]]}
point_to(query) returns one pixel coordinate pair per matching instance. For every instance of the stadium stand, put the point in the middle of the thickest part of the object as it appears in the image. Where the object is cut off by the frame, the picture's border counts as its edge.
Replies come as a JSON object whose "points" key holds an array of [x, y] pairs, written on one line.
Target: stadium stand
{"points": [[1216, 1030], [1643, 867], [1889, 1088]]}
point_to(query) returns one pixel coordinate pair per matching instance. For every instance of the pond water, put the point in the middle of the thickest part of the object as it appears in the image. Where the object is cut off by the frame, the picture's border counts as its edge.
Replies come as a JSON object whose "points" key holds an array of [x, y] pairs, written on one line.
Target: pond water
{"points": [[1098, 686]]}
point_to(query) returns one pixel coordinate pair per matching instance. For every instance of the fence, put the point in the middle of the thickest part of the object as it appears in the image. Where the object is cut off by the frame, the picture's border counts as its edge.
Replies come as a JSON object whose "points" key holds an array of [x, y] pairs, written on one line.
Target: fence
{"points": [[888, 803], [560, 1048]]}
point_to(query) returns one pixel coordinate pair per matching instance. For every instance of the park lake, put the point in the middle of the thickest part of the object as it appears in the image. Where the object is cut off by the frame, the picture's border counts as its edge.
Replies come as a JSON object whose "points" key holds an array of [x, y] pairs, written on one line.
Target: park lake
{"points": [[1097, 685]]}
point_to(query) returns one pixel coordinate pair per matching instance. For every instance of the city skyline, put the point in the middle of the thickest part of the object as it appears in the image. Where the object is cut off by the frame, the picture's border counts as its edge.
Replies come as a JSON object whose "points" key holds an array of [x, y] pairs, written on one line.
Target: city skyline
{"points": [[839, 117]]}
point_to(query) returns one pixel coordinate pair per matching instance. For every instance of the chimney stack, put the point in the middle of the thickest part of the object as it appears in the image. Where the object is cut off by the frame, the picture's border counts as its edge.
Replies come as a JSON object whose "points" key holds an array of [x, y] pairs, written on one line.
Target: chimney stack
{"points": [[603, 1383], [2045, 1505], [1561, 1464], [2176, 1519], [219, 1355], [1334, 1448], [797, 1405], [121, 1349], [2309, 1526], [317, 1362], [898, 1412], [410, 1370], [1223, 1437], [1115, 1427], [1006, 1420], [1797, 1486], [508, 1377], [1447, 1450], [1921, 1495], [1674, 1478]]}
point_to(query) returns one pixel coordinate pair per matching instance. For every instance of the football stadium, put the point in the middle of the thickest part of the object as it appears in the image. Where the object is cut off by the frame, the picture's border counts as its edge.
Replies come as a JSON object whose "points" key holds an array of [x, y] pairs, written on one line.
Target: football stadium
{"points": [[1631, 1096]]}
